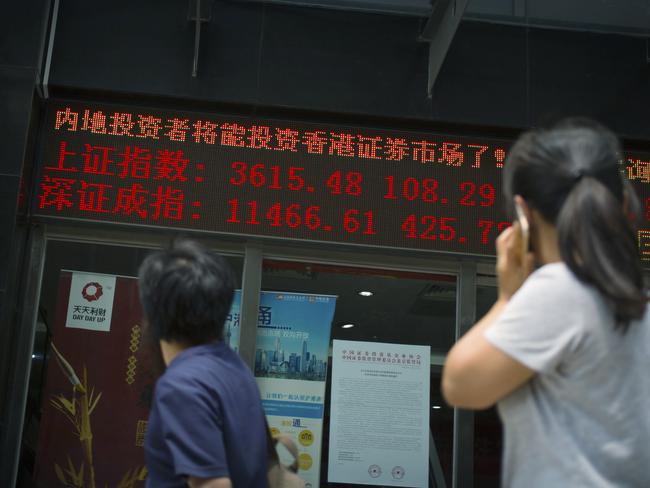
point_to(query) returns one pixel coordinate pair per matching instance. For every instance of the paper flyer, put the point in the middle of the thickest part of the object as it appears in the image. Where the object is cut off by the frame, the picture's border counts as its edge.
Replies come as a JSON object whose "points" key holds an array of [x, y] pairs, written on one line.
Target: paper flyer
{"points": [[379, 417]]}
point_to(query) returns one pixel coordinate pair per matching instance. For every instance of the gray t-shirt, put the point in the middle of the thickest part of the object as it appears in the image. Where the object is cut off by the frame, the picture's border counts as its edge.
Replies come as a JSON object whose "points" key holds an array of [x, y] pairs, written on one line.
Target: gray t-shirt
{"points": [[584, 419]]}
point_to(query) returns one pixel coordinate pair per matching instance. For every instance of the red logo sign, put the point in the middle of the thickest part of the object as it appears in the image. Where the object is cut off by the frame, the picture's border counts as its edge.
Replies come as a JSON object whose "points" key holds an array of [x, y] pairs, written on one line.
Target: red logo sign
{"points": [[92, 291]]}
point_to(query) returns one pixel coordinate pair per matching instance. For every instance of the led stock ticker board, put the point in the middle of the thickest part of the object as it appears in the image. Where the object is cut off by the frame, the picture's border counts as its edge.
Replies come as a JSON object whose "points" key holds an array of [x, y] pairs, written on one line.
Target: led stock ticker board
{"points": [[275, 178]]}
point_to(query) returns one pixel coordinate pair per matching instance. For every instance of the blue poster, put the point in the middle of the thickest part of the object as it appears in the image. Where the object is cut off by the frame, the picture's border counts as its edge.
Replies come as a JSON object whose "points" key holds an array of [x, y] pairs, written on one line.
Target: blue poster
{"points": [[291, 360], [293, 332]]}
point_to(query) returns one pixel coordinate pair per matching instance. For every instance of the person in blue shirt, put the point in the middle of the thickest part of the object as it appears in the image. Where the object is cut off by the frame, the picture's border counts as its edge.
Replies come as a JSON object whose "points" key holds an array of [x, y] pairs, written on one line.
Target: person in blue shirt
{"points": [[206, 427]]}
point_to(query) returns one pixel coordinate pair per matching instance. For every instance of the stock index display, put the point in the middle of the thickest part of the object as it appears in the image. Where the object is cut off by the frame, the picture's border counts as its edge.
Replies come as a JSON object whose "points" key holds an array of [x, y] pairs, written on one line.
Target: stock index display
{"points": [[279, 178]]}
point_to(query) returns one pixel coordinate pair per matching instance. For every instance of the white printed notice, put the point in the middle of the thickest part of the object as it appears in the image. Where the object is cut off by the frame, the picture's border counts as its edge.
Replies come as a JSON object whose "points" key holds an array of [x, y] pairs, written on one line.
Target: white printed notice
{"points": [[379, 424], [90, 304]]}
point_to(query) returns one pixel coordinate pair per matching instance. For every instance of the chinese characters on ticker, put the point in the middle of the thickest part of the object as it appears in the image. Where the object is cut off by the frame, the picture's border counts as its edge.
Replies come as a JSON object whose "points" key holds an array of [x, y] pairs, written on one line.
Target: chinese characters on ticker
{"points": [[280, 179]]}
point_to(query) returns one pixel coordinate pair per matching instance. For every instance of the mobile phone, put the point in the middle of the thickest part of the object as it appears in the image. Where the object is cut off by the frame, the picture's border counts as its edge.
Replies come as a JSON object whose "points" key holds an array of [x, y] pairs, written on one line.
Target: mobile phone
{"points": [[525, 229]]}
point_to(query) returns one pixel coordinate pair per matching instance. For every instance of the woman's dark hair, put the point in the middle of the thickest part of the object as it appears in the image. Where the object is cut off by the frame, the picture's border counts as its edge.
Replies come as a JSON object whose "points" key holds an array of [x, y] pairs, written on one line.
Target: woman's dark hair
{"points": [[186, 292], [570, 174]]}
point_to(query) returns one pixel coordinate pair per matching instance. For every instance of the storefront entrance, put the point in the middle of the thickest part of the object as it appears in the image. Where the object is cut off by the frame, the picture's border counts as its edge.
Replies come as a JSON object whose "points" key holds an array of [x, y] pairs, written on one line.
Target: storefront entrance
{"points": [[387, 300]]}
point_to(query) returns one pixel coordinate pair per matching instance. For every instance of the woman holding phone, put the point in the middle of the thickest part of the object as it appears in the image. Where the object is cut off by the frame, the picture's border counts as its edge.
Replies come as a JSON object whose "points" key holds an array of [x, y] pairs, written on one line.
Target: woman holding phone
{"points": [[565, 350]]}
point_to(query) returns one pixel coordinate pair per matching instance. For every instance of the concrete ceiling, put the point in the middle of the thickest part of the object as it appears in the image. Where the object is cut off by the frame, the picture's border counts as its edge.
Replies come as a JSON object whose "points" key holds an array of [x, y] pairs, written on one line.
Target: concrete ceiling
{"points": [[628, 17]]}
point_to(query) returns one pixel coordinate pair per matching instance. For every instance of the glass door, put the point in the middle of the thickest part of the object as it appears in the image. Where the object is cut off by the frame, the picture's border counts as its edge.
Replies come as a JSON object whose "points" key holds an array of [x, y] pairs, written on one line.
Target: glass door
{"points": [[380, 308], [488, 437]]}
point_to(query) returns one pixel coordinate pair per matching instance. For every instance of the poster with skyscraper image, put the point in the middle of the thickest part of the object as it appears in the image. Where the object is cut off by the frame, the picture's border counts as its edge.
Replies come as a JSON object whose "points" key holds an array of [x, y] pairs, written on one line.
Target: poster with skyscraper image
{"points": [[292, 339], [291, 357]]}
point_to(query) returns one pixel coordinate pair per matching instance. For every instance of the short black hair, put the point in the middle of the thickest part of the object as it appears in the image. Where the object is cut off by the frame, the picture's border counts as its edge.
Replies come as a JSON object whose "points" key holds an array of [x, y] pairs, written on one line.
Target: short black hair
{"points": [[186, 293]]}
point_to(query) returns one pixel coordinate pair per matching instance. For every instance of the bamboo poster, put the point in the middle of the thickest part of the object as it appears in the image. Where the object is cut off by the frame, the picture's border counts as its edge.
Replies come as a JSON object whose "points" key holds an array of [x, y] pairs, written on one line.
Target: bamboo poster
{"points": [[98, 387]]}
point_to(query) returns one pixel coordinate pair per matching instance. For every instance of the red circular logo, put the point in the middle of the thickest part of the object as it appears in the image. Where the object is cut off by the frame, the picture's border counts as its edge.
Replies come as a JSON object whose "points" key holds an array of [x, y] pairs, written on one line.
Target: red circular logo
{"points": [[92, 291]]}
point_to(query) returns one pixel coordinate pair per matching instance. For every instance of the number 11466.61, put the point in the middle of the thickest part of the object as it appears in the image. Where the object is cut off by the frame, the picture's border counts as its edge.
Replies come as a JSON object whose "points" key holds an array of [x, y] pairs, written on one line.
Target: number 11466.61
{"points": [[295, 215]]}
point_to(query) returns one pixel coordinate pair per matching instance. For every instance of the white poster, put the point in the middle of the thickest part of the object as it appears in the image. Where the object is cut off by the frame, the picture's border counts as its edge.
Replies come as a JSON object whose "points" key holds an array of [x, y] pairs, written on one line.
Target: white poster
{"points": [[90, 305], [379, 420], [232, 327]]}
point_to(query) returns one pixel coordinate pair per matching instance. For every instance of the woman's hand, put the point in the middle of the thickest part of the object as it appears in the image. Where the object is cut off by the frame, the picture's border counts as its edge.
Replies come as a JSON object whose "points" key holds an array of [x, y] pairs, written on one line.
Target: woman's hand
{"points": [[513, 265], [478, 374]]}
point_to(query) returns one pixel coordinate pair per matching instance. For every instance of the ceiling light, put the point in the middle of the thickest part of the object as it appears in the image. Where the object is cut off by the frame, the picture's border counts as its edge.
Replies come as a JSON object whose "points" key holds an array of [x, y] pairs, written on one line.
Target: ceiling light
{"points": [[436, 407], [347, 326], [366, 293]]}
